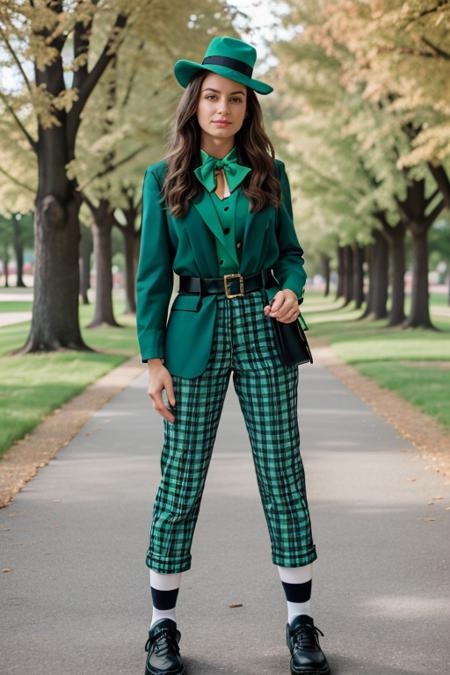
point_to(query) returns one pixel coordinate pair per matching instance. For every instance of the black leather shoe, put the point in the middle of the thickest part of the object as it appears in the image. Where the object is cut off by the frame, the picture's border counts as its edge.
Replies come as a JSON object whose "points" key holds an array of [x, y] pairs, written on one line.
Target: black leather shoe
{"points": [[163, 656], [303, 642]]}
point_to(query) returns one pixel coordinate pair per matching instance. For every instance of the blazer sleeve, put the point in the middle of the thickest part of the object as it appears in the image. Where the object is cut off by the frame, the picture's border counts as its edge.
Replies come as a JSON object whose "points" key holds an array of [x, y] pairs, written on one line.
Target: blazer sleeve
{"points": [[289, 268], [154, 276]]}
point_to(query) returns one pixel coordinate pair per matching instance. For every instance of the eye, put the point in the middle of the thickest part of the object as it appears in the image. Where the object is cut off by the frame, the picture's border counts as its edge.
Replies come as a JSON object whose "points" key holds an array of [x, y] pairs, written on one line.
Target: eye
{"points": [[236, 99]]}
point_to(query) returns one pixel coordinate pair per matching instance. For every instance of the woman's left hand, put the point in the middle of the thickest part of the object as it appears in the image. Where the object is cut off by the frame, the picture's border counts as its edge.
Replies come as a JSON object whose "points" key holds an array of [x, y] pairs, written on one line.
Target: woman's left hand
{"points": [[284, 307]]}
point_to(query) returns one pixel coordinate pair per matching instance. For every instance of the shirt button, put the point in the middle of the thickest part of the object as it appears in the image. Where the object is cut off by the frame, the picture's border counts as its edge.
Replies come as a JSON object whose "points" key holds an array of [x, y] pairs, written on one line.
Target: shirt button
{"points": [[238, 244], [221, 262], [226, 230]]}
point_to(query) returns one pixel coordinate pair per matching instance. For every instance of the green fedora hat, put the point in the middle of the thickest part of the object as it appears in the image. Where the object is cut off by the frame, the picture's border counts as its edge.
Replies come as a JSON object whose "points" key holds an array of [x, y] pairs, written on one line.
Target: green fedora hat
{"points": [[226, 56]]}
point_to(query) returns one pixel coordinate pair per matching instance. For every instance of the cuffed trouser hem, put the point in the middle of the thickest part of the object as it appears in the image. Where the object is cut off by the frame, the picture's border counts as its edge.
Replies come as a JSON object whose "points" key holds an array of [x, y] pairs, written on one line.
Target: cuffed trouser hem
{"points": [[164, 566], [297, 560]]}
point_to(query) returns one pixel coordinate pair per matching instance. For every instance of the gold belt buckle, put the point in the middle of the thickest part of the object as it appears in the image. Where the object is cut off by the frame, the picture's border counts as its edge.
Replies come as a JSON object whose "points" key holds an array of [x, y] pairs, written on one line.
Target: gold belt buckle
{"points": [[241, 285]]}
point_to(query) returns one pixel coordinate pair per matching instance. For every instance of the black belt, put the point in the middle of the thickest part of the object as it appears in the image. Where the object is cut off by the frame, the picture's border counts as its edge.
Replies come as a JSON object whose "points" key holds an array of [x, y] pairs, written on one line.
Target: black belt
{"points": [[231, 285]]}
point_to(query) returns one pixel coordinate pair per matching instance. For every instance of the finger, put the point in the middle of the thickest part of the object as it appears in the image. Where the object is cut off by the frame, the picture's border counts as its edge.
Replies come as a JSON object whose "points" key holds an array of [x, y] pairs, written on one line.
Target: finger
{"points": [[278, 300], [158, 405], [168, 410], [285, 309], [289, 317], [168, 384], [170, 417]]}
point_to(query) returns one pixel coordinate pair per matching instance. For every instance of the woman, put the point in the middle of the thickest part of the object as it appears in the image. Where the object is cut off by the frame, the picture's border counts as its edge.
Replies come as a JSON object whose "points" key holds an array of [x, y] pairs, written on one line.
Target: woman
{"points": [[217, 211]]}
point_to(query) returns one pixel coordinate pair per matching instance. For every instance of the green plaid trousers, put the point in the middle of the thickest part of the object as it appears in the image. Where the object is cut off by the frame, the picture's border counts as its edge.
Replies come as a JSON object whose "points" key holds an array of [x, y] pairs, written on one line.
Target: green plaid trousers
{"points": [[243, 343]]}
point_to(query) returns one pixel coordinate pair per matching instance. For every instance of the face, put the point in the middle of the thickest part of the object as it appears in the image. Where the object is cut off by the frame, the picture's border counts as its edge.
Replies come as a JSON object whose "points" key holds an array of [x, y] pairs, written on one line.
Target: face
{"points": [[221, 99]]}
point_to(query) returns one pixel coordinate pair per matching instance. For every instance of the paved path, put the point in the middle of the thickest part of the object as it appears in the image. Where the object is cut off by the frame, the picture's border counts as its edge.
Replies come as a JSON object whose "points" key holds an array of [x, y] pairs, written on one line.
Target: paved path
{"points": [[10, 318], [440, 310], [77, 600]]}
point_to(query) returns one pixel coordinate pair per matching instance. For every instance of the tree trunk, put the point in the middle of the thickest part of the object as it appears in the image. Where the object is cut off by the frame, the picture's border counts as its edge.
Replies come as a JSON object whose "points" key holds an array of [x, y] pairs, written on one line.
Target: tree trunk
{"points": [[18, 250], [358, 275], [419, 314], [101, 231], [85, 265], [340, 273], [55, 321], [6, 269], [371, 256], [370, 248], [448, 282], [419, 218], [381, 276], [348, 274], [396, 237], [326, 272]]}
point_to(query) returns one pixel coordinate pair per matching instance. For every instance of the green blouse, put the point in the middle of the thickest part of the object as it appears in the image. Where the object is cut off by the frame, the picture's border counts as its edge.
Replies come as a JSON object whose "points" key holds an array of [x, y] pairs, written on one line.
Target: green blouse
{"points": [[232, 212]]}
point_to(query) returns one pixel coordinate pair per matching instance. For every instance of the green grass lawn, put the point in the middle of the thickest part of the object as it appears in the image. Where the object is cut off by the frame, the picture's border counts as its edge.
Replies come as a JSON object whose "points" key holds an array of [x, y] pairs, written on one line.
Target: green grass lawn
{"points": [[32, 386], [439, 299], [388, 355], [15, 306]]}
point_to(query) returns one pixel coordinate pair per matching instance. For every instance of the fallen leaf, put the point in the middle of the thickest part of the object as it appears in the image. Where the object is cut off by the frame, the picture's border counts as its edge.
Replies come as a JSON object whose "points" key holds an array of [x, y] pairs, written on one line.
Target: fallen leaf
{"points": [[411, 478], [235, 604], [7, 569], [437, 498]]}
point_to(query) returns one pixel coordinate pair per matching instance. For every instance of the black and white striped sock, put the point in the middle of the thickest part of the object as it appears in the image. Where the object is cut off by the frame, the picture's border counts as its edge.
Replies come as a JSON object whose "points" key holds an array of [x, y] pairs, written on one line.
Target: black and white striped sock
{"points": [[297, 583], [164, 589]]}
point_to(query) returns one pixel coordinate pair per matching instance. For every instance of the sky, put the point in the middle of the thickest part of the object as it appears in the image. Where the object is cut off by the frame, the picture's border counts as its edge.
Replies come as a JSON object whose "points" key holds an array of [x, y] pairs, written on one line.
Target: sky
{"points": [[266, 27]]}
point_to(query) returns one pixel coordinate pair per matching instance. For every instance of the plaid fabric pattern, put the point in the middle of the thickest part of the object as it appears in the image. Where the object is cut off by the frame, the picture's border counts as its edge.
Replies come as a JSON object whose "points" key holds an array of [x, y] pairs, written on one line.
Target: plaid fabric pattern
{"points": [[243, 344]]}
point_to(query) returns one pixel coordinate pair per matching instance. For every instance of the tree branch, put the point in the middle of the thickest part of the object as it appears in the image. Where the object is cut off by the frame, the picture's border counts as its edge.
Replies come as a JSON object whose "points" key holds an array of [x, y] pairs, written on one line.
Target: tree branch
{"points": [[443, 181], [91, 79], [431, 217], [16, 181], [27, 135], [112, 167], [440, 52], [16, 59]]}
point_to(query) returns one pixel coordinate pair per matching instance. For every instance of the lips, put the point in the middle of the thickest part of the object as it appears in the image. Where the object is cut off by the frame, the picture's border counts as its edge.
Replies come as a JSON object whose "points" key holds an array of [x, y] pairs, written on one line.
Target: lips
{"points": [[221, 122]]}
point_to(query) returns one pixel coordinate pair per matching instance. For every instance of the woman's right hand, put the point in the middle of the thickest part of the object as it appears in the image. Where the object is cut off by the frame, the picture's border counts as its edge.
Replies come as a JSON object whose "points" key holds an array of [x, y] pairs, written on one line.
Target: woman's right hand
{"points": [[159, 379]]}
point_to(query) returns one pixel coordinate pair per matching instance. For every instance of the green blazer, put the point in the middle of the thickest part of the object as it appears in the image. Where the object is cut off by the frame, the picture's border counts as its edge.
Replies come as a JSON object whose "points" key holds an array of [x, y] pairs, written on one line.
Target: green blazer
{"points": [[186, 245]]}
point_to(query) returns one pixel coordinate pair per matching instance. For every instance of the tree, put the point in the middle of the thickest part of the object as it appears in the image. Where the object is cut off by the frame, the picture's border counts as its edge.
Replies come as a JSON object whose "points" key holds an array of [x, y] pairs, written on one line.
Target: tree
{"points": [[41, 32], [351, 129]]}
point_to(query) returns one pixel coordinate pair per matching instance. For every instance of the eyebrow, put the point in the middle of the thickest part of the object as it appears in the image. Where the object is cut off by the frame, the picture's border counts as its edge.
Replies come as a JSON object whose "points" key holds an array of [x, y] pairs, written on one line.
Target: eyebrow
{"points": [[239, 91]]}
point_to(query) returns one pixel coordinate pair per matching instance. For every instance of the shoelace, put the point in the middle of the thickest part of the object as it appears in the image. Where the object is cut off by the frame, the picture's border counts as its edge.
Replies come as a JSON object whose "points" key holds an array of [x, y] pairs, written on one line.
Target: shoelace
{"points": [[160, 640], [305, 636]]}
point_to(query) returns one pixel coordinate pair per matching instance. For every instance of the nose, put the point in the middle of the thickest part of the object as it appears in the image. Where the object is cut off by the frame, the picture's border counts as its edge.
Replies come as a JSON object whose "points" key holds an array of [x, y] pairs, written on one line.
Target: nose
{"points": [[223, 106]]}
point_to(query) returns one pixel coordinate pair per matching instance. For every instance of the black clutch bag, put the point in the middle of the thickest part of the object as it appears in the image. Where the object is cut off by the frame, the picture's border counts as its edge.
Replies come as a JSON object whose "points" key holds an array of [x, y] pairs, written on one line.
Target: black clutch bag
{"points": [[292, 344]]}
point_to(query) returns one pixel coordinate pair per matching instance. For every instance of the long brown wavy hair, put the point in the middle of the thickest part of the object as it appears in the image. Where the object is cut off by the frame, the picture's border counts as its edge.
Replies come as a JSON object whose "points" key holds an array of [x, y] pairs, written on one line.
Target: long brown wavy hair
{"points": [[254, 149]]}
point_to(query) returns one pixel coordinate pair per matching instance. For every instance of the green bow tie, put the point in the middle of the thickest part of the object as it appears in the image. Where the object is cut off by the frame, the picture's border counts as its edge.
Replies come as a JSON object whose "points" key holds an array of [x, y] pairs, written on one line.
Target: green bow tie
{"points": [[234, 172]]}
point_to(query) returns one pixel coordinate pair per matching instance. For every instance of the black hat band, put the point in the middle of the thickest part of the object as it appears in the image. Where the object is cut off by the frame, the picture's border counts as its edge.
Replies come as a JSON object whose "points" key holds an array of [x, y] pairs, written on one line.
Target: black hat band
{"points": [[235, 64]]}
